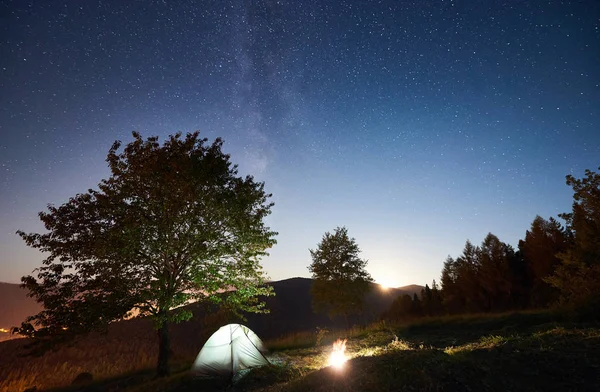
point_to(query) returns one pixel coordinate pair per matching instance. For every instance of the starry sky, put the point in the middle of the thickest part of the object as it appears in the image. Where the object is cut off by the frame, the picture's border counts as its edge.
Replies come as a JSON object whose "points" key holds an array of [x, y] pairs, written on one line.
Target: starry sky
{"points": [[417, 124]]}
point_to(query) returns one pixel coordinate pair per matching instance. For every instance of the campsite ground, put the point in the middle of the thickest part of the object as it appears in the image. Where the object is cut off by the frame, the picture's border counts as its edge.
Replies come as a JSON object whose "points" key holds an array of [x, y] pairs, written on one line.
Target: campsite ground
{"points": [[516, 352]]}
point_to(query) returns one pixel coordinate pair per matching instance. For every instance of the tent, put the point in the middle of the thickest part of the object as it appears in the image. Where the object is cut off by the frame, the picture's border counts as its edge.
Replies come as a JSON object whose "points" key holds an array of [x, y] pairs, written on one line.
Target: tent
{"points": [[232, 348]]}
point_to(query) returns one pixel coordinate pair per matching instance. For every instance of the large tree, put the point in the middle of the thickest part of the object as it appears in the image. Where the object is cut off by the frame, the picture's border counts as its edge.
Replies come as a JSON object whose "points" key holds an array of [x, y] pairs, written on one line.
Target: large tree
{"points": [[172, 224], [543, 242], [340, 279], [577, 277], [460, 282], [494, 274]]}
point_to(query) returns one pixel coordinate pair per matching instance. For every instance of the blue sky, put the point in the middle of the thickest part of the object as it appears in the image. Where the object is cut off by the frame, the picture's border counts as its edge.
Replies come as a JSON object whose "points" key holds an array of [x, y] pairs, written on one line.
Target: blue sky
{"points": [[415, 124]]}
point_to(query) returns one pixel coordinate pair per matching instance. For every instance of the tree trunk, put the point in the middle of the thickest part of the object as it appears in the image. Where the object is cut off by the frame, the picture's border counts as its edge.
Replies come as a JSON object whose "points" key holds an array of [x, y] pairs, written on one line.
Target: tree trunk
{"points": [[164, 350]]}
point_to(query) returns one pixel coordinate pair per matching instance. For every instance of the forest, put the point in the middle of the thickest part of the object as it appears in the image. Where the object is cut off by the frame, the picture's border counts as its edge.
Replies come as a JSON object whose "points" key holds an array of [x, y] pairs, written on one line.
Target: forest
{"points": [[554, 265]]}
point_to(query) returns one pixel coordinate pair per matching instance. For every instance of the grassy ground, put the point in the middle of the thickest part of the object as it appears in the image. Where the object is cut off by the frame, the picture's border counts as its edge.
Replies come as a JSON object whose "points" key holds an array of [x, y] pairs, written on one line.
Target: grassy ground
{"points": [[553, 358], [510, 352]]}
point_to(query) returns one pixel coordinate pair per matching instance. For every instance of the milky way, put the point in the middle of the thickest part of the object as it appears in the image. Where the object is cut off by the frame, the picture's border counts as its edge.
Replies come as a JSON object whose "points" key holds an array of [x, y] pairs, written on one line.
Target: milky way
{"points": [[416, 124]]}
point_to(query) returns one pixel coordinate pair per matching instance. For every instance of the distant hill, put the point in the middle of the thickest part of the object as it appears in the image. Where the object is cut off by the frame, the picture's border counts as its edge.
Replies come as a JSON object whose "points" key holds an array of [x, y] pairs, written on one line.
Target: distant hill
{"points": [[290, 311], [291, 308], [15, 307]]}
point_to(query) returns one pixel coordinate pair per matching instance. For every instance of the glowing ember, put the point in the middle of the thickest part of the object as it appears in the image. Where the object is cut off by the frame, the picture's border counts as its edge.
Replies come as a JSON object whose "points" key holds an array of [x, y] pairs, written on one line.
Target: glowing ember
{"points": [[337, 357]]}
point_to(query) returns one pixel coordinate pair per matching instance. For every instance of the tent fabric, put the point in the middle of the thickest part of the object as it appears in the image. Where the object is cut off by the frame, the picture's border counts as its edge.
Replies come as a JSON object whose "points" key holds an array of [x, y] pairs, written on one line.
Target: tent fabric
{"points": [[231, 348]]}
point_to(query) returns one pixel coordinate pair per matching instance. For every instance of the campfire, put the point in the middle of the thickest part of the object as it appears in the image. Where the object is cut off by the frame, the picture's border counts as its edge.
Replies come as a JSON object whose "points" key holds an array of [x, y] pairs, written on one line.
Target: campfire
{"points": [[338, 356]]}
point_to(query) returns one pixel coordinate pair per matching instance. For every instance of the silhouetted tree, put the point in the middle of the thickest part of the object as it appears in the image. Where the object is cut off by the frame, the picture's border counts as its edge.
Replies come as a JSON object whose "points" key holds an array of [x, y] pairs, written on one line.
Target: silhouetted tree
{"points": [[461, 285], [543, 242], [495, 273], [436, 307], [578, 274], [426, 300], [451, 297], [340, 279], [520, 291], [469, 279], [172, 223], [482, 279], [401, 309], [416, 308]]}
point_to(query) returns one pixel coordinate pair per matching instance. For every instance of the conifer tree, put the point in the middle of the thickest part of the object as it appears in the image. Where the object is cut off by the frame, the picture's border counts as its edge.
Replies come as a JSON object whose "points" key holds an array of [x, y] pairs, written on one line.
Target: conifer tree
{"points": [[578, 275], [540, 250]]}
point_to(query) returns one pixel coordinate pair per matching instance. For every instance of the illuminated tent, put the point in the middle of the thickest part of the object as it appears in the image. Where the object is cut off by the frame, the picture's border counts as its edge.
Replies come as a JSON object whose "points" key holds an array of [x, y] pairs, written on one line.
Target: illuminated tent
{"points": [[232, 348]]}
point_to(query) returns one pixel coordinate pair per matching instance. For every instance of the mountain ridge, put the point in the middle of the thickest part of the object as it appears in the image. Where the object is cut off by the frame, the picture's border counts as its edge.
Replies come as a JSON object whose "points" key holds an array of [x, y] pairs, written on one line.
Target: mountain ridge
{"points": [[290, 309]]}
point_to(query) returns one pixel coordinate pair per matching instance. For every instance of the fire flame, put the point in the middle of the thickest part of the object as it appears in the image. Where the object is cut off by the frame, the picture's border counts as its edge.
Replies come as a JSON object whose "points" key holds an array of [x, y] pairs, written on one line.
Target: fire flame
{"points": [[338, 357]]}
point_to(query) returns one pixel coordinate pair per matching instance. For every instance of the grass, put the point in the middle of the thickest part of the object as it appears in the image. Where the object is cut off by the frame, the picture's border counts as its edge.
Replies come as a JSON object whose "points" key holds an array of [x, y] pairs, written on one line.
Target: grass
{"points": [[525, 357], [129, 349], [293, 341], [320, 337], [104, 359], [533, 351]]}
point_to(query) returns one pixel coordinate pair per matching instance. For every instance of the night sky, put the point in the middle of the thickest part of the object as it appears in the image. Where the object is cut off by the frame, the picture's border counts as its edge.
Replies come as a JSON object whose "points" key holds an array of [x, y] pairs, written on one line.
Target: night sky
{"points": [[416, 124]]}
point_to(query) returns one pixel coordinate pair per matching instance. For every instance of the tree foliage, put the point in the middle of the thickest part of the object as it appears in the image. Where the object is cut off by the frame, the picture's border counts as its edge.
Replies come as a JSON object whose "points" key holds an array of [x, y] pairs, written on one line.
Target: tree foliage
{"points": [[495, 273], [172, 224], [483, 279], [431, 300], [543, 242], [340, 279], [403, 308], [577, 277]]}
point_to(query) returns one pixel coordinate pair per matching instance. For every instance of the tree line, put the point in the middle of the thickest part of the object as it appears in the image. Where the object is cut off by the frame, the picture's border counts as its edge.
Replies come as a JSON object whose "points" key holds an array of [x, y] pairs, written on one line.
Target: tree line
{"points": [[554, 264]]}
